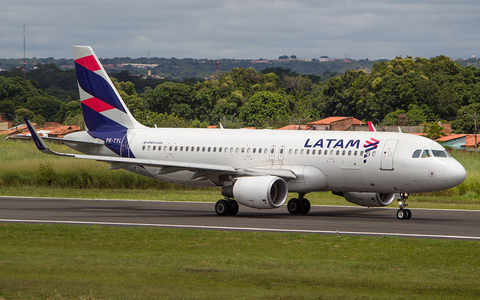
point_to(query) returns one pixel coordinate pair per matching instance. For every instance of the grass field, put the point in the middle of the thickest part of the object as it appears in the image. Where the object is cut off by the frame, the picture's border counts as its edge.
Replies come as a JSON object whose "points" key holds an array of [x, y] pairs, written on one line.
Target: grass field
{"points": [[79, 262]]}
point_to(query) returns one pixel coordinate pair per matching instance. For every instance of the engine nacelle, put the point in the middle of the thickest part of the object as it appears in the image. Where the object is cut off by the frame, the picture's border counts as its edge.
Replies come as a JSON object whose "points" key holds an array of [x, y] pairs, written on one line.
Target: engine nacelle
{"points": [[369, 199], [258, 191]]}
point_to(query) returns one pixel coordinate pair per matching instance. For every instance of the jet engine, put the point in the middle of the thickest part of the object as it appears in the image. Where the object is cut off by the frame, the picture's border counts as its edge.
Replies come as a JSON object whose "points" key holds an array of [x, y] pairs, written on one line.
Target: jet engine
{"points": [[258, 192], [369, 199]]}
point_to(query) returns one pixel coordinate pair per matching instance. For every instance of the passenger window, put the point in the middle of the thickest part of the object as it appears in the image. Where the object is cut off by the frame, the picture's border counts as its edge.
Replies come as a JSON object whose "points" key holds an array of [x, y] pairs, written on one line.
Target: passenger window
{"points": [[313, 152], [259, 150], [331, 152], [236, 150], [361, 153], [281, 151], [170, 149], [296, 151], [159, 148], [265, 150], [325, 152], [154, 148], [214, 149], [198, 149], [181, 148], [186, 149], [148, 148], [143, 148], [290, 151], [209, 148], [273, 150], [231, 150], [301, 152], [416, 154], [176, 148], [203, 149], [349, 152], [308, 151], [248, 150], [220, 149], [374, 153], [343, 152], [338, 152], [355, 153], [165, 148], [254, 150]]}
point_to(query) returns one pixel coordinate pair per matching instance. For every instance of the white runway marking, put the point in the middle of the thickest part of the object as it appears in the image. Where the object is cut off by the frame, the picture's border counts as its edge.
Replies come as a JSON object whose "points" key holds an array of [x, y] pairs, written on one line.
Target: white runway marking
{"points": [[249, 229]]}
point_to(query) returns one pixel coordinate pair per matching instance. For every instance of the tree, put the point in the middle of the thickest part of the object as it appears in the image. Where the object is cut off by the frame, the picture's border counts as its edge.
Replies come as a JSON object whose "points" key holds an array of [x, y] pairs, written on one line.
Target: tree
{"points": [[433, 130], [266, 108], [181, 100]]}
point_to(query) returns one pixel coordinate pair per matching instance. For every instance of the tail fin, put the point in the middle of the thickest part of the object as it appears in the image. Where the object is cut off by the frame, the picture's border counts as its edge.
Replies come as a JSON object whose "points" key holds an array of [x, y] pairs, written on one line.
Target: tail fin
{"points": [[102, 106]]}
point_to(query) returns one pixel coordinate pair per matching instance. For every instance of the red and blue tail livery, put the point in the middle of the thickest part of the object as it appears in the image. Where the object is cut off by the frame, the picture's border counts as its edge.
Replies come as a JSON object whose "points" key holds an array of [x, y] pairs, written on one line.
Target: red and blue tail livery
{"points": [[102, 106]]}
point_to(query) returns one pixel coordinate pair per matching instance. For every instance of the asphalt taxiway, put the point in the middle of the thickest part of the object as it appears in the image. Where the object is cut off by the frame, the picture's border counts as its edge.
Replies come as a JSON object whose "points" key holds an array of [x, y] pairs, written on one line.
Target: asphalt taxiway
{"points": [[425, 223]]}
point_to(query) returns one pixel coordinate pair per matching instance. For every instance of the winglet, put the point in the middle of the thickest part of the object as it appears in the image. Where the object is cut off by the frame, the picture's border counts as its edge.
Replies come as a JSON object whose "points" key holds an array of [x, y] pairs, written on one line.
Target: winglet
{"points": [[40, 143], [371, 127]]}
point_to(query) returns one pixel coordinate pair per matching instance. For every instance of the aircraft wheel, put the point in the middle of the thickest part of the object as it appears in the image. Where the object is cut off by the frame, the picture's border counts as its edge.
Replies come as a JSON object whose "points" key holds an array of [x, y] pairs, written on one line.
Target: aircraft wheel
{"points": [[222, 208], [233, 207], [294, 206], [401, 214], [409, 214], [306, 207]]}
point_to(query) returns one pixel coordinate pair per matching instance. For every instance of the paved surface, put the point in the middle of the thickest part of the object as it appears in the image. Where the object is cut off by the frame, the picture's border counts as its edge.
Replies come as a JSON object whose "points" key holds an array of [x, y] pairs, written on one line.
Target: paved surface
{"points": [[321, 219]]}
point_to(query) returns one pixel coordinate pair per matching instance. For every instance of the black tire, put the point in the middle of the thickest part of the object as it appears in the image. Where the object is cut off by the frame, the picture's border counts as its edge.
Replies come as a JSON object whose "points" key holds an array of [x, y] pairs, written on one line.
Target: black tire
{"points": [[401, 214], [222, 208], [294, 207], [306, 207], [233, 207], [409, 214]]}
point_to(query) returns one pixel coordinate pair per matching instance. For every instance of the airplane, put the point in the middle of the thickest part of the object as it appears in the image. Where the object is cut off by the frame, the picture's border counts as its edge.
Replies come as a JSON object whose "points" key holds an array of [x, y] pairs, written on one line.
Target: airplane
{"points": [[255, 168]]}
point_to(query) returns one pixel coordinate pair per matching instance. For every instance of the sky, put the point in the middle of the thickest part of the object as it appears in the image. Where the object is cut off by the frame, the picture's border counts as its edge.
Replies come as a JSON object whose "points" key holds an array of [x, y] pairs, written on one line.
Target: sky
{"points": [[241, 29]]}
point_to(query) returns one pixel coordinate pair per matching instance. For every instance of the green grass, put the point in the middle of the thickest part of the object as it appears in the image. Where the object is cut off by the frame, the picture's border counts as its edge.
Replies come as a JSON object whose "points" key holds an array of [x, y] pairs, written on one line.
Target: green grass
{"points": [[79, 262]]}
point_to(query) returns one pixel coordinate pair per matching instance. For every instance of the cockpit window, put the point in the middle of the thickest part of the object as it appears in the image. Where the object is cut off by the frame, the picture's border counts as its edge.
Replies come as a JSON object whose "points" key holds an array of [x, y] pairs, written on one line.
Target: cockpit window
{"points": [[439, 153], [416, 154], [426, 153]]}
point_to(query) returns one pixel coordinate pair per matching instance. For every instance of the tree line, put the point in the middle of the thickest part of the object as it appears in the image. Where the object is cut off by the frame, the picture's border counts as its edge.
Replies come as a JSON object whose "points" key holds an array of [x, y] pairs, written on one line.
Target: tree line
{"points": [[403, 91]]}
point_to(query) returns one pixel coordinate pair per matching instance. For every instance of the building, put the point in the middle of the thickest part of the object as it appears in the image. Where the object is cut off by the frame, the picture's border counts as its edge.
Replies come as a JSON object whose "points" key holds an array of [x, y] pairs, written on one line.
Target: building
{"points": [[336, 123]]}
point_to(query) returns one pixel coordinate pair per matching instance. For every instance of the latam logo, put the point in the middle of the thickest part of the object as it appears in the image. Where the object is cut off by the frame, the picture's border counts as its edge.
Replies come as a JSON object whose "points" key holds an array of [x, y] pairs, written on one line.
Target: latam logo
{"points": [[369, 145], [332, 143]]}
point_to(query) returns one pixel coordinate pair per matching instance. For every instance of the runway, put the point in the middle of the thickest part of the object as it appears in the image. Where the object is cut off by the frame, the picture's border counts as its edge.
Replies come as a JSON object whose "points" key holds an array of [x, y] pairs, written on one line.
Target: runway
{"points": [[452, 224]]}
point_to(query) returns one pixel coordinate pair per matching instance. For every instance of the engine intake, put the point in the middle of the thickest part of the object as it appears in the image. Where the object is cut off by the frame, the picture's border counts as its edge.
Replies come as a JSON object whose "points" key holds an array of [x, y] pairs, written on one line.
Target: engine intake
{"points": [[369, 199], [258, 192]]}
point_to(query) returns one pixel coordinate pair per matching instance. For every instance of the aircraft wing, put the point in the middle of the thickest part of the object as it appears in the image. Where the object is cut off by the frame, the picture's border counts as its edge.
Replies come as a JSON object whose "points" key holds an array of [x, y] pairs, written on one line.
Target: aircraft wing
{"points": [[166, 166], [58, 140]]}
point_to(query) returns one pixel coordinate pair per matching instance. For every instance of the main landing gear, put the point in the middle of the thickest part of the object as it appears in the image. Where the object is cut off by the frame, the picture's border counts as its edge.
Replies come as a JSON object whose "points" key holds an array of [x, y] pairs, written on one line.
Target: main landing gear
{"points": [[298, 206], [226, 207], [403, 213]]}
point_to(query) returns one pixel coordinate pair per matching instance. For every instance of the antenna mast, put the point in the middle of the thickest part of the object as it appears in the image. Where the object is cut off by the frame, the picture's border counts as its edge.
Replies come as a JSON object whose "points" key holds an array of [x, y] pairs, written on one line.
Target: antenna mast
{"points": [[24, 58]]}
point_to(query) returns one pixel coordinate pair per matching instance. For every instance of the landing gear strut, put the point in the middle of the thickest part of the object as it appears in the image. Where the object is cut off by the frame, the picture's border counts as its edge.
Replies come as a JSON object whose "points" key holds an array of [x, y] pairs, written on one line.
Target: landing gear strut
{"points": [[226, 207], [298, 206], [403, 213]]}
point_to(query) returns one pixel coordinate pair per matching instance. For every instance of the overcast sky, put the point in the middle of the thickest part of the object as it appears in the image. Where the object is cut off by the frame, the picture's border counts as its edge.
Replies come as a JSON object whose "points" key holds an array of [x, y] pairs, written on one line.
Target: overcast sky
{"points": [[243, 29]]}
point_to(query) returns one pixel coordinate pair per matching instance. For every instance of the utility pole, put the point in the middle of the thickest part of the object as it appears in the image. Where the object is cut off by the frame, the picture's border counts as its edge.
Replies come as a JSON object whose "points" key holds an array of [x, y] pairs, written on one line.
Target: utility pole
{"points": [[475, 126], [24, 57]]}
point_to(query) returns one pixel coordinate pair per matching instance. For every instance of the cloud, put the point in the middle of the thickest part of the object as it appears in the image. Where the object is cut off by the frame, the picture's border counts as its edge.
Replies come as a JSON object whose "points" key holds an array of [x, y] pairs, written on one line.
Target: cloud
{"points": [[241, 29]]}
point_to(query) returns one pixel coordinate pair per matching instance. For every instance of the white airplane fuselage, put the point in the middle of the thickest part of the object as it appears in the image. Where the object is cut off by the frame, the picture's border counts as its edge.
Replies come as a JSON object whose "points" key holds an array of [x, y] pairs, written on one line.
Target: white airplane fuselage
{"points": [[320, 160]]}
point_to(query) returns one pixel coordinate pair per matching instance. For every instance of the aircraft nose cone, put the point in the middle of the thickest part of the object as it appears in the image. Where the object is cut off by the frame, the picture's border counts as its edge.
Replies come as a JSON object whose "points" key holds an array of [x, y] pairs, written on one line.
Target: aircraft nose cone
{"points": [[454, 174]]}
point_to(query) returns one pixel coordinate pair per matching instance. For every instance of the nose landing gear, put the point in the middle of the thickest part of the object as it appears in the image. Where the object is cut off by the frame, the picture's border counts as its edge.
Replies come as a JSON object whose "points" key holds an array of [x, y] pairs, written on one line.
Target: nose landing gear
{"points": [[403, 213]]}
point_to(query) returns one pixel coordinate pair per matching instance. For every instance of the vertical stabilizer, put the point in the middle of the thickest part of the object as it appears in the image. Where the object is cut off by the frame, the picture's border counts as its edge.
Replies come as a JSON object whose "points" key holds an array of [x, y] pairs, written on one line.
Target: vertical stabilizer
{"points": [[102, 106]]}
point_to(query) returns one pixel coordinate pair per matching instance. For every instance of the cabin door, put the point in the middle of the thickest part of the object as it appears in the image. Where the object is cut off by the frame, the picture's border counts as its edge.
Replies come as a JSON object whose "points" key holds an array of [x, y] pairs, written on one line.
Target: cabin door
{"points": [[388, 155]]}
